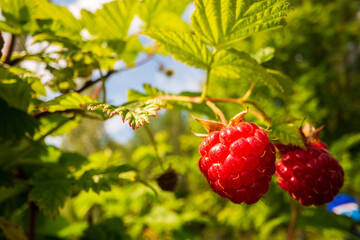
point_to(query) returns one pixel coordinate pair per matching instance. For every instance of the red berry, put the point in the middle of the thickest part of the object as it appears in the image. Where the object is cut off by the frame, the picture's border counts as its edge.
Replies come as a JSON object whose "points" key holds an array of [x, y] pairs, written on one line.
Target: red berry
{"points": [[312, 176], [238, 162]]}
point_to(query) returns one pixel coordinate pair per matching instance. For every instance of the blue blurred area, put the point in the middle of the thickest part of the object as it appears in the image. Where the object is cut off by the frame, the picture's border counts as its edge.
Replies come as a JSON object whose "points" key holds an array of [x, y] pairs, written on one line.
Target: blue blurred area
{"points": [[345, 205]]}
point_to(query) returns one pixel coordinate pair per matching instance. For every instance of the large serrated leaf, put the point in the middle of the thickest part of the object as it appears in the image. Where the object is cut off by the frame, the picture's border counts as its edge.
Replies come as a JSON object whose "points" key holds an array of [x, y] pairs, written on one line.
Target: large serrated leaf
{"points": [[226, 22], [112, 21], [185, 47], [66, 102], [50, 189], [136, 112], [233, 64]]}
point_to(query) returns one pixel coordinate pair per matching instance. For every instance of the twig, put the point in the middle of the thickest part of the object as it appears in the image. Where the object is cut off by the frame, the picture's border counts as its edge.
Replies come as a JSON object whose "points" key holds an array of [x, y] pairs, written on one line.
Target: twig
{"points": [[109, 73], [10, 48], [32, 219], [295, 212], [153, 142]]}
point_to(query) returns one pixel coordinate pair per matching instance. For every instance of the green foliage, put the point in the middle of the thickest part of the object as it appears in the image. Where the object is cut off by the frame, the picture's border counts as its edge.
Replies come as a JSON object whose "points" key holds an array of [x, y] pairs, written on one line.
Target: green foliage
{"points": [[90, 184], [66, 102]]}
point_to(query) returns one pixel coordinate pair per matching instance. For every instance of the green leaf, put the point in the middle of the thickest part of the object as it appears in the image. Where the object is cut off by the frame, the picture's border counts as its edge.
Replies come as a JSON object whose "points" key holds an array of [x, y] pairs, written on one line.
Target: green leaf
{"points": [[264, 54], [185, 47], [136, 112], [15, 91], [15, 123], [112, 21], [287, 134], [233, 64], [49, 122], [19, 16], [132, 48], [62, 22], [224, 23], [102, 179], [164, 15], [66, 102], [11, 230], [50, 189]]}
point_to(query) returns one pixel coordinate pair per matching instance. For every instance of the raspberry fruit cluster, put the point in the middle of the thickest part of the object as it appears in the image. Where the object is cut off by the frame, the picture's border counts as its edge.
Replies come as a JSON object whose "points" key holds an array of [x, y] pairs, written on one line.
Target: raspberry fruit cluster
{"points": [[238, 161], [312, 176]]}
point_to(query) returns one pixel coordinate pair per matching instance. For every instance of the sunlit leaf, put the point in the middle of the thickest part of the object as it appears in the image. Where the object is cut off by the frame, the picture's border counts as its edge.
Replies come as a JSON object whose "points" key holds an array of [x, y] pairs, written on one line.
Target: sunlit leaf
{"points": [[185, 47], [223, 23], [233, 64], [264, 54], [66, 102], [164, 14], [112, 21], [136, 112]]}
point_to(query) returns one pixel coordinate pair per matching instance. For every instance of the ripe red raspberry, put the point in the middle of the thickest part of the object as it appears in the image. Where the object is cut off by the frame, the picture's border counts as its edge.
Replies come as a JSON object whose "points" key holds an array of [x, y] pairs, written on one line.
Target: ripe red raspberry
{"points": [[312, 176], [238, 161]]}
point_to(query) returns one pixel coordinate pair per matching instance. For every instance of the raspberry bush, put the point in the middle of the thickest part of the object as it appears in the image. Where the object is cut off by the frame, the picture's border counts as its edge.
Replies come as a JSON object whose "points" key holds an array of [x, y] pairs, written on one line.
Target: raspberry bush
{"points": [[61, 75]]}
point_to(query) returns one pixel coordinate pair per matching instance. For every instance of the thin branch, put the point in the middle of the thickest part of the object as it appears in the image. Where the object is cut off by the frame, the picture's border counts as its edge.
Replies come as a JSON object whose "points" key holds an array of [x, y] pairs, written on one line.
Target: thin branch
{"points": [[109, 73], [46, 113], [295, 212], [153, 142], [10, 48], [32, 219], [55, 128]]}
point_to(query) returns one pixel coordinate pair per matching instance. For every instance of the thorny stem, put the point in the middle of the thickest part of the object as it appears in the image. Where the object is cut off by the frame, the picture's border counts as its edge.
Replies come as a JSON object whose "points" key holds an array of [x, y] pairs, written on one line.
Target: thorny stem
{"points": [[153, 142], [217, 111], [295, 213]]}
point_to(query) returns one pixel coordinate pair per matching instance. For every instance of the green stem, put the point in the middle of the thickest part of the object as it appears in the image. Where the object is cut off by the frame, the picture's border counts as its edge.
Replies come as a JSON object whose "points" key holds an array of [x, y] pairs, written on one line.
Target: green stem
{"points": [[295, 213], [153, 142], [208, 70]]}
